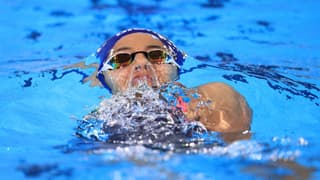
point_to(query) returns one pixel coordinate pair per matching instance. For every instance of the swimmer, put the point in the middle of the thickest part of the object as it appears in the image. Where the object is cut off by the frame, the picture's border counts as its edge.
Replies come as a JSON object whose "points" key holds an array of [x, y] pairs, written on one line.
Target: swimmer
{"points": [[136, 56]]}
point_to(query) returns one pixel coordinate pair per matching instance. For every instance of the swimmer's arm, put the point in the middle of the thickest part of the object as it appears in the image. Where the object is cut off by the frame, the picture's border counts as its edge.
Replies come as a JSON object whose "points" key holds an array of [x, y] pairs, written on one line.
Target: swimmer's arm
{"points": [[227, 112], [92, 77]]}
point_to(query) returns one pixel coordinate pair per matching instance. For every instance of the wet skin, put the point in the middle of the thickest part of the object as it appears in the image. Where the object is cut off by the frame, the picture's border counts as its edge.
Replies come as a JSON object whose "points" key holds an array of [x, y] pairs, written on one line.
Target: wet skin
{"points": [[141, 69], [228, 112]]}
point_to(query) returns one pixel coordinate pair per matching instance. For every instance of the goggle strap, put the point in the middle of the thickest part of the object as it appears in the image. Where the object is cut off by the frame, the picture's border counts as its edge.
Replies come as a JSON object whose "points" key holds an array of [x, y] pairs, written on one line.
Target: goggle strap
{"points": [[105, 67], [172, 61]]}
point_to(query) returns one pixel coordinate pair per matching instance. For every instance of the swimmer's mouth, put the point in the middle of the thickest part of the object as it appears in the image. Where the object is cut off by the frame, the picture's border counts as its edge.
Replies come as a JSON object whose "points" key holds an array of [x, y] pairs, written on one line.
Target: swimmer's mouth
{"points": [[146, 76], [143, 79]]}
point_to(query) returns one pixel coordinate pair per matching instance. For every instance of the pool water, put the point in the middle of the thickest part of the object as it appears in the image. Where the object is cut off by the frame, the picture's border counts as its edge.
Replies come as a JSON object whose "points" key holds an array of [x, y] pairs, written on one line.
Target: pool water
{"points": [[267, 50]]}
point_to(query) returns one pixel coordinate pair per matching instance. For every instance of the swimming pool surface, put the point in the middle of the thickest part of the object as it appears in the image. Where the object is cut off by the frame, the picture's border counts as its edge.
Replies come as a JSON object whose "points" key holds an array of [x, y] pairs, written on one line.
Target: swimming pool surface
{"points": [[268, 50]]}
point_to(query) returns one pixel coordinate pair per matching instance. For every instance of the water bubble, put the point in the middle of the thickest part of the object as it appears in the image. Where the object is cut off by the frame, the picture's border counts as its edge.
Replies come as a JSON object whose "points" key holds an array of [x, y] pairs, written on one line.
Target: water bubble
{"points": [[302, 141]]}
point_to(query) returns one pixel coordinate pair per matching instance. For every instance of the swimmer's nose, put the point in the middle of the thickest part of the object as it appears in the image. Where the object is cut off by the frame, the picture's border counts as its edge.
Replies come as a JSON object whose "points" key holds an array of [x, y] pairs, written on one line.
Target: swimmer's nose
{"points": [[141, 62]]}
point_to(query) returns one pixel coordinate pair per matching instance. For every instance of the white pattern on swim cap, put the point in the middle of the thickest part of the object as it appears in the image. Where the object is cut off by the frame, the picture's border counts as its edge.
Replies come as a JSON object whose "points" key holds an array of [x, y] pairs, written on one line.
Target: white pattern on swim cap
{"points": [[155, 37]]}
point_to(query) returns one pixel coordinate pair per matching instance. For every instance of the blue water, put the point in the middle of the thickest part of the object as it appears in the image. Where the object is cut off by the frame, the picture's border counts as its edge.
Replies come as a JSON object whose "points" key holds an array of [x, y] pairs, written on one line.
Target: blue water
{"points": [[268, 50]]}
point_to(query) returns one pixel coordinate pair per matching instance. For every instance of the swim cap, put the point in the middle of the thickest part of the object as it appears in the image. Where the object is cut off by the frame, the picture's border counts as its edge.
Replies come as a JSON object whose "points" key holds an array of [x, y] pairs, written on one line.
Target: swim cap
{"points": [[103, 52]]}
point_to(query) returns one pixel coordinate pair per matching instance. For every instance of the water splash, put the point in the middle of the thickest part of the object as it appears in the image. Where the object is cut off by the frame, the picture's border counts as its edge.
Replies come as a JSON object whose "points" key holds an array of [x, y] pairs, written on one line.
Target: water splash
{"points": [[143, 120], [142, 116]]}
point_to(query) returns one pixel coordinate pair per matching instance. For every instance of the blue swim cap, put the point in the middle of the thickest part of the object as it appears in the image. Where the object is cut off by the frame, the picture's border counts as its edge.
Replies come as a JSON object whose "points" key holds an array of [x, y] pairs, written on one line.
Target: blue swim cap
{"points": [[103, 52]]}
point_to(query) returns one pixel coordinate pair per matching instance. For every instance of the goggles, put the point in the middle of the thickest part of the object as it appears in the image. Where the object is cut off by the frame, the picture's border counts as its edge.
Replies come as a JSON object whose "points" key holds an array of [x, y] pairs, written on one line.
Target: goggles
{"points": [[158, 56]]}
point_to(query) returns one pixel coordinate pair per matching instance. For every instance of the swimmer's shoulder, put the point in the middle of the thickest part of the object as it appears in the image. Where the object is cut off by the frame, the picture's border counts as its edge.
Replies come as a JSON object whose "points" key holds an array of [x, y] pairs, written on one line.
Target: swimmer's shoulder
{"points": [[216, 89], [225, 97], [230, 111]]}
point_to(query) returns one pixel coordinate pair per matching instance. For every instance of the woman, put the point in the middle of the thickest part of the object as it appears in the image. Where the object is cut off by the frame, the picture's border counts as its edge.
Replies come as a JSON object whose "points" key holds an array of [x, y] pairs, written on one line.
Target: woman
{"points": [[140, 56]]}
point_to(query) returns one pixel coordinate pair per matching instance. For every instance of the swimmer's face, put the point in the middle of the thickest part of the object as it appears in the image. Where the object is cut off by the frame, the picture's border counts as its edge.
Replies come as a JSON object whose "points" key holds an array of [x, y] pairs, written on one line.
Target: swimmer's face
{"points": [[141, 70]]}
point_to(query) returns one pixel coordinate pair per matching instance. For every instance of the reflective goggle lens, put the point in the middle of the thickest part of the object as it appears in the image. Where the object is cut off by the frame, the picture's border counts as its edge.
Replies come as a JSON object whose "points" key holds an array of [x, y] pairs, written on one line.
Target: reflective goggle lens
{"points": [[119, 60], [157, 56]]}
